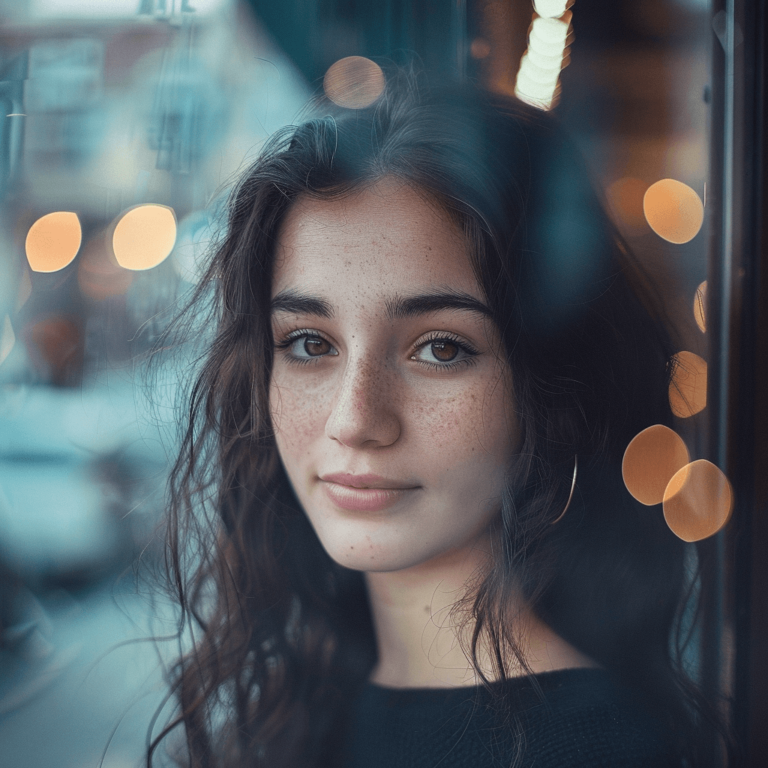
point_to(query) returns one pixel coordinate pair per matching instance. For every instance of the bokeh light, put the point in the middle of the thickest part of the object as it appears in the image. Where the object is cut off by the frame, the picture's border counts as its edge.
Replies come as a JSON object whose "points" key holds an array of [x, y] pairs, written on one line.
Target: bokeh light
{"points": [[538, 78], [354, 82], [673, 210], [688, 388], [650, 461], [551, 8], [144, 236], [7, 339], [552, 32], [98, 273], [700, 307], [698, 501], [625, 196], [53, 241], [480, 48]]}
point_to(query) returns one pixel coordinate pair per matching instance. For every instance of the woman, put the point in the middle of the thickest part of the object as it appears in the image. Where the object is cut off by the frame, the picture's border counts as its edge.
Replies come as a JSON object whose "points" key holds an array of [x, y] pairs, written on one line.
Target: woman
{"points": [[402, 461]]}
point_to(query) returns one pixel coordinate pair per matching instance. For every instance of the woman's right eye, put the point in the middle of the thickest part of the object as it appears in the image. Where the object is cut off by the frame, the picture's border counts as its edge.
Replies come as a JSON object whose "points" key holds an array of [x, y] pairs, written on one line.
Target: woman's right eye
{"points": [[307, 346]]}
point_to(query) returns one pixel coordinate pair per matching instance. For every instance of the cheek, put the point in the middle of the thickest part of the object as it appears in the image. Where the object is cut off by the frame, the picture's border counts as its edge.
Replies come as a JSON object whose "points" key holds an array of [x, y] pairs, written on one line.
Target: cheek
{"points": [[470, 425], [298, 412]]}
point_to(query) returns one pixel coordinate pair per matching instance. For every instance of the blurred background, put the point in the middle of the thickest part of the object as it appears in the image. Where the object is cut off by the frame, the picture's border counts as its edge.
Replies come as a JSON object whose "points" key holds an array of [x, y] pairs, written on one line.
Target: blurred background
{"points": [[125, 123]]}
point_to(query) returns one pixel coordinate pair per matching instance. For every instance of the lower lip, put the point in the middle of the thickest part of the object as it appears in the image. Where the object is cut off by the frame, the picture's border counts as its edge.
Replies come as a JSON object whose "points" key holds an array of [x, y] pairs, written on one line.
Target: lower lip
{"points": [[364, 499]]}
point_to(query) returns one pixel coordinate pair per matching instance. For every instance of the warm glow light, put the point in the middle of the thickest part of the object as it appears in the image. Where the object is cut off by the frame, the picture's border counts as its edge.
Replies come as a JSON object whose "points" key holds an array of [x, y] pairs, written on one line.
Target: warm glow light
{"points": [[673, 210], [550, 8], [545, 62], [537, 81], [144, 237], [550, 31], [354, 82], [539, 74], [545, 48], [688, 388], [625, 196], [480, 48], [699, 307], [698, 501], [7, 339], [53, 241], [537, 91], [650, 461]]}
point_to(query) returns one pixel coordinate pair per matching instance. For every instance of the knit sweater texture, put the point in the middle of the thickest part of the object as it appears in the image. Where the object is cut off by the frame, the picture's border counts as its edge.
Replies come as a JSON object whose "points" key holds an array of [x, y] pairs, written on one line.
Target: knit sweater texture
{"points": [[584, 719]]}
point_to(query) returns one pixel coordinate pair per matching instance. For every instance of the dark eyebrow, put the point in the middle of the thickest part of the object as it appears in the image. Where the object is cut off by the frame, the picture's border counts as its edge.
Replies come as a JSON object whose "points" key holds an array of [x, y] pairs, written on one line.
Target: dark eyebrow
{"points": [[402, 307], [398, 308], [301, 304]]}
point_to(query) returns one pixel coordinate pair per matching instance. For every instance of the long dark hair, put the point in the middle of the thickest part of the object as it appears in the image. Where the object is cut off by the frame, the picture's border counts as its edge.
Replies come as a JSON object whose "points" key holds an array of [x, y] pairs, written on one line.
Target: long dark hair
{"points": [[284, 634]]}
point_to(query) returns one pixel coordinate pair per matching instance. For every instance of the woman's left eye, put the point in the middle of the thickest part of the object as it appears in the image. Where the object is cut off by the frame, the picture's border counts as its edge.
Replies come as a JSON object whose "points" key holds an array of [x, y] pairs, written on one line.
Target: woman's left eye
{"points": [[444, 352]]}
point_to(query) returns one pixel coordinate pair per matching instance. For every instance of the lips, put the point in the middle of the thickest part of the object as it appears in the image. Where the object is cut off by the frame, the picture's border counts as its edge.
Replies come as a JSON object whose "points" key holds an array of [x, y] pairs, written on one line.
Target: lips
{"points": [[369, 493], [366, 481]]}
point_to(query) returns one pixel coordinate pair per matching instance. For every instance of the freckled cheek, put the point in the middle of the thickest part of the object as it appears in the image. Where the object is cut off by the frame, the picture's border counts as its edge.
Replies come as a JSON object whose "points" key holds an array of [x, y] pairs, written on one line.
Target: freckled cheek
{"points": [[299, 414], [466, 426]]}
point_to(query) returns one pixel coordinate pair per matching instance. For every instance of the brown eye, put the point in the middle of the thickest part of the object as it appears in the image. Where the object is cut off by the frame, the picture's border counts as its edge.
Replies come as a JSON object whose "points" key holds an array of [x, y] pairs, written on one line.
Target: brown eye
{"points": [[315, 346], [307, 347], [444, 350]]}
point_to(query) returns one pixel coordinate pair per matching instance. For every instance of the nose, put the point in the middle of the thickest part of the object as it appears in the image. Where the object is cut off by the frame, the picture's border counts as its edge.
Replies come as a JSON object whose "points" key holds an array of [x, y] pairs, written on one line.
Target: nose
{"points": [[364, 413]]}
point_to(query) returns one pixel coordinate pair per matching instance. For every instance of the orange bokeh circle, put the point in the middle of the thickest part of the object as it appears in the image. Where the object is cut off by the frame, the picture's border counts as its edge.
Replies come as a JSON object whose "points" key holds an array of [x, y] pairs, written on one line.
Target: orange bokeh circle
{"points": [[650, 461], [53, 241], [688, 388], [144, 236], [673, 210], [354, 82], [698, 501], [700, 307]]}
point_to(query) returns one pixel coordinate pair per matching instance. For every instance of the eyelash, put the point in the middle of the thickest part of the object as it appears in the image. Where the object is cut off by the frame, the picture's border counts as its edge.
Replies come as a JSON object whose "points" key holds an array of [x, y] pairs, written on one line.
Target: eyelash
{"points": [[467, 349]]}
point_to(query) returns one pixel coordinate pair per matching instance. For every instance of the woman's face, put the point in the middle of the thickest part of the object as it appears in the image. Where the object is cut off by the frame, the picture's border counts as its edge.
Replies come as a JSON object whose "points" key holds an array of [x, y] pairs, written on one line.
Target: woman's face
{"points": [[393, 413]]}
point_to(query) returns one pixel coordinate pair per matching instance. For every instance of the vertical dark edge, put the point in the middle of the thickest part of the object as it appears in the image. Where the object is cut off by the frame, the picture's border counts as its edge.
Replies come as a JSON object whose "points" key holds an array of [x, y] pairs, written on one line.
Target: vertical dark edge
{"points": [[735, 563], [709, 551], [750, 539]]}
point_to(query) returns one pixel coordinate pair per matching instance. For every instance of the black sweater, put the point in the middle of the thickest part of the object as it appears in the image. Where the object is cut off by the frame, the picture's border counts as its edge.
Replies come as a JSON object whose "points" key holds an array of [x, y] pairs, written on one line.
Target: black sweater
{"points": [[586, 719]]}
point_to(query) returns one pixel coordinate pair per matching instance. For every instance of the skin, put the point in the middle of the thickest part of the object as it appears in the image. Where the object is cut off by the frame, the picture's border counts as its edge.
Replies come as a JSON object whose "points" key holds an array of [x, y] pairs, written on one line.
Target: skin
{"points": [[375, 394]]}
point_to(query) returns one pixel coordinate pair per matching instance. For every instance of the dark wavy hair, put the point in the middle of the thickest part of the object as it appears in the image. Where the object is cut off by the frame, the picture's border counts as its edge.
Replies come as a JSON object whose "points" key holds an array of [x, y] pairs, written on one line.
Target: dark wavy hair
{"points": [[284, 637]]}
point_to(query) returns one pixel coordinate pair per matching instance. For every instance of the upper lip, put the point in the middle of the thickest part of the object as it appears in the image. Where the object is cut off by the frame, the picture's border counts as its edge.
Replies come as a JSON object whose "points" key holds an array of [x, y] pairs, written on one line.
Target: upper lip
{"points": [[365, 481]]}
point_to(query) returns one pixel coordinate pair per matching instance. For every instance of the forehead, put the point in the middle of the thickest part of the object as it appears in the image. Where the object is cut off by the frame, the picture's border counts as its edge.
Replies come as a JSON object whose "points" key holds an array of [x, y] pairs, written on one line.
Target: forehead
{"points": [[379, 240]]}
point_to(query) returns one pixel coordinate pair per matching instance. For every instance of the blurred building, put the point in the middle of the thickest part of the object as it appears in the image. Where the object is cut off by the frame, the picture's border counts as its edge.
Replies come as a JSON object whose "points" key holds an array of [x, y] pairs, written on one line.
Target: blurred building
{"points": [[125, 124]]}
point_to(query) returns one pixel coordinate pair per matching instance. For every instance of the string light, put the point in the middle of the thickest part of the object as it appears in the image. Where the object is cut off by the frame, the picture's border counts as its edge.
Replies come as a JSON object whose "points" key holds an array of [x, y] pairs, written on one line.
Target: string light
{"points": [[538, 78]]}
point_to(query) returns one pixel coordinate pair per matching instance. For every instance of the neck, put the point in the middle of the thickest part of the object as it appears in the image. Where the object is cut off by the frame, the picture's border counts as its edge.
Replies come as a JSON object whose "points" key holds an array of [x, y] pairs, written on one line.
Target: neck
{"points": [[419, 640]]}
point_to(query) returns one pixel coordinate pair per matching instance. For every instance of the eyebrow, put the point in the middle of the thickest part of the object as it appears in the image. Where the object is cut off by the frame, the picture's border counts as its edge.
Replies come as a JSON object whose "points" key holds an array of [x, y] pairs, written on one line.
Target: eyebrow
{"points": [[398, 307]]}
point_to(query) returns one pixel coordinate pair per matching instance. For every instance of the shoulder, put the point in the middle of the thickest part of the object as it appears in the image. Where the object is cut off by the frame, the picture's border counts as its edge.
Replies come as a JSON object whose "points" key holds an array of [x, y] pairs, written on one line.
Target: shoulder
{"points": [[587, 718]]}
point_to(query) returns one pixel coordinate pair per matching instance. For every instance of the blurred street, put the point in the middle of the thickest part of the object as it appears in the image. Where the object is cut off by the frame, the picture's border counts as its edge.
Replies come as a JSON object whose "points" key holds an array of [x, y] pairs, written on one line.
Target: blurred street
{"points": [[80, 692]]}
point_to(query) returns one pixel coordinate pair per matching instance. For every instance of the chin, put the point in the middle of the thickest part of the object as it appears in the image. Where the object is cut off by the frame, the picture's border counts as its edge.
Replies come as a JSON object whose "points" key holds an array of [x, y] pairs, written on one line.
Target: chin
{"points": [[360, 553]]}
